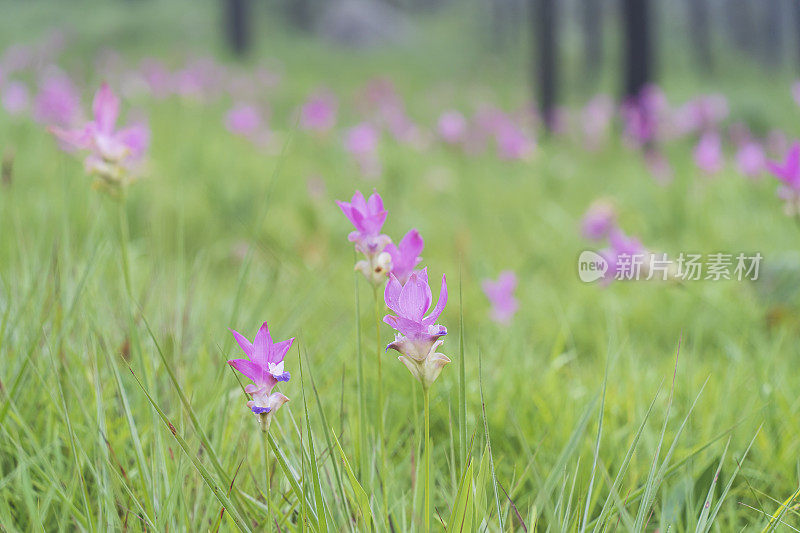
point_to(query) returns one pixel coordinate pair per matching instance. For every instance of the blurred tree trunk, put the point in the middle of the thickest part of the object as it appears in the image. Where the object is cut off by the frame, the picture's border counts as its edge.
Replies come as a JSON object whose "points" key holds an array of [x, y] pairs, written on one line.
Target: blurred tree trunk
{"points": [[740, 24], [638, 45], [700, 32], [299, 13], [592, 22], [237, 25], [773, 41], [544, 23]]}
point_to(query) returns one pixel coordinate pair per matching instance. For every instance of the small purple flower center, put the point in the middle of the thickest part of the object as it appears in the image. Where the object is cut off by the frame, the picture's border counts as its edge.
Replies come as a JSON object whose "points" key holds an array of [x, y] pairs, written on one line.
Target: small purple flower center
{"points": [[260, 410]]}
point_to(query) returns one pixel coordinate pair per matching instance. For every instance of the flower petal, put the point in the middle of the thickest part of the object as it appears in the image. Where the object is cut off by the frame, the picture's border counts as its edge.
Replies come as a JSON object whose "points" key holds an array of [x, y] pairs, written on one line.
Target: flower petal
{"points": [[245, 344], [250, 369], [391, 295], [105, 108], [278, 351], [261, 345], [431, 318]]}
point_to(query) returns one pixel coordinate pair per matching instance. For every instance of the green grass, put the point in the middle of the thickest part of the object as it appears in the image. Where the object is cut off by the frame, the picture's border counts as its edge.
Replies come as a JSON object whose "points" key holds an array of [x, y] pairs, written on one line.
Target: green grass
{"points": [[118, 411]]}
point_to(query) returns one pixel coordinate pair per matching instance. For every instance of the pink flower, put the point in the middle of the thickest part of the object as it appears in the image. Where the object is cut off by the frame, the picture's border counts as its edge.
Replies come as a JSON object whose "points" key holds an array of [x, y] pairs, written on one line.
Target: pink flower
{"points": [[708, 153], [512, 143], [750, 159], [244, 120], [319, 112], [501, 295], [264, 366], [621, 254], [368, 216], [418, 336], [642, 115], [452, 127], [15, 97], [58, 102], [362, 139], [788, 173], [658, 165], [599, 220], [596, 120], [157, 77], [405, 256], [113, 153]]}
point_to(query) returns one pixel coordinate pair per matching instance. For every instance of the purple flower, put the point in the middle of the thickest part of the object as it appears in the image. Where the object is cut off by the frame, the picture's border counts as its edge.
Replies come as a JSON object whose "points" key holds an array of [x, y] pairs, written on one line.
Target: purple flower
{"points": [[157, 77], [113, 153], [368, 217], [244, 120], [501, 295], [319, 112], [58, 102], [658, 165], [750, 159], [362, 142], [15, 97], [623, 251], [788, 173], [598, 221], [405, 256], [452, 127], [264, 366], [596, 119], [708, 153], [642, 115], [418, 336]]}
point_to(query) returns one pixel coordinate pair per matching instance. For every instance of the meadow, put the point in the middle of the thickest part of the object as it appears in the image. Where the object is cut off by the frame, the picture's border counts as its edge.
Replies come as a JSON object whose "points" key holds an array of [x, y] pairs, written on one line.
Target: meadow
{"points": [[631, 405]]}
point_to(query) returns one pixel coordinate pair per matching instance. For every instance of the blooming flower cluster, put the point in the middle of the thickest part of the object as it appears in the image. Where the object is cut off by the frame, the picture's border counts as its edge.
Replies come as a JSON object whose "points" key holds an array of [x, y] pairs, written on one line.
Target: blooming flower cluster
{"points": [[788, 173]]}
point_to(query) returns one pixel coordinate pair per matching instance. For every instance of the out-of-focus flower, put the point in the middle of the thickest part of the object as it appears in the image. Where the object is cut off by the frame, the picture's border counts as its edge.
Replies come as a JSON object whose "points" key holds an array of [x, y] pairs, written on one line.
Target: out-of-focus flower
{"points": [[418, 336], [596, 120], [362, 143], [658, 165], [58, 101], [113, 153], [788, 173], [405, 256], [708, 153], [512, 142], [702, 114], [625, 256], [452, 127], [501, 295], [642, 116], [368, 217], [244, 120], [264, 366], [796, 92], [319, 112], [157, 77], [599, 220], [776, 143], [750, 159], [15, 97]]}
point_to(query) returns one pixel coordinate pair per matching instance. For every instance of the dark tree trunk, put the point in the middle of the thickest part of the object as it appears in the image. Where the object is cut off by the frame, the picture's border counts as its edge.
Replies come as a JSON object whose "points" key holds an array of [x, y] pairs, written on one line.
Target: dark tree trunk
{"points": [[544, 21], [592, 22], [299, 12], [740, 24], [700, 30], [638, 45], [237, 25], [773, 41]]}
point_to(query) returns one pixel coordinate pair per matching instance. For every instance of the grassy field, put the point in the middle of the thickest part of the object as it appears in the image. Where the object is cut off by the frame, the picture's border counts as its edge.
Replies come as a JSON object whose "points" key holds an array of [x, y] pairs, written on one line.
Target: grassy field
{"points": [[638, 406]]}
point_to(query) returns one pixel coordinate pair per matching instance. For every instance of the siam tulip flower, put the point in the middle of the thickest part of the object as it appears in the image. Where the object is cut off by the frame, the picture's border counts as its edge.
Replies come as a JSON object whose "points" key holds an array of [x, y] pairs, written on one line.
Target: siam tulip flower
{"points": [[244, 120], [15, 97], [788, 173], [319, 112], [452, 127], [708, 153], [501, 295], [113, 153], [264, 366], [362, 142], [599, 220], [58, 102], [642, 116], [750, 159], [418, 336], [622, 253], [701, 114], [368, 217], [157, 77], [405, 256], [596, 120], [512, 143], [658, 165]]}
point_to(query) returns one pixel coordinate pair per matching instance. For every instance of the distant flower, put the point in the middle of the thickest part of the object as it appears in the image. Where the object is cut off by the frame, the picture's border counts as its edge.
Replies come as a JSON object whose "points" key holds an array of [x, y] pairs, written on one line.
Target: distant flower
{"points": [[642, 116], [157, 77], [708, 153], [113, 153], [362, 143], [452, 127], [418, 336], [788, 173], [264, 366], [512, 142], [244, 120], [751, 160], [701, 114], [319, 112], [776, 143], [658, 165], [796, 92], [599, 219], [58, 102], [596, 120], [501, 295], [405, 256], [15, 97], [623, 255], [368, 216]]}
